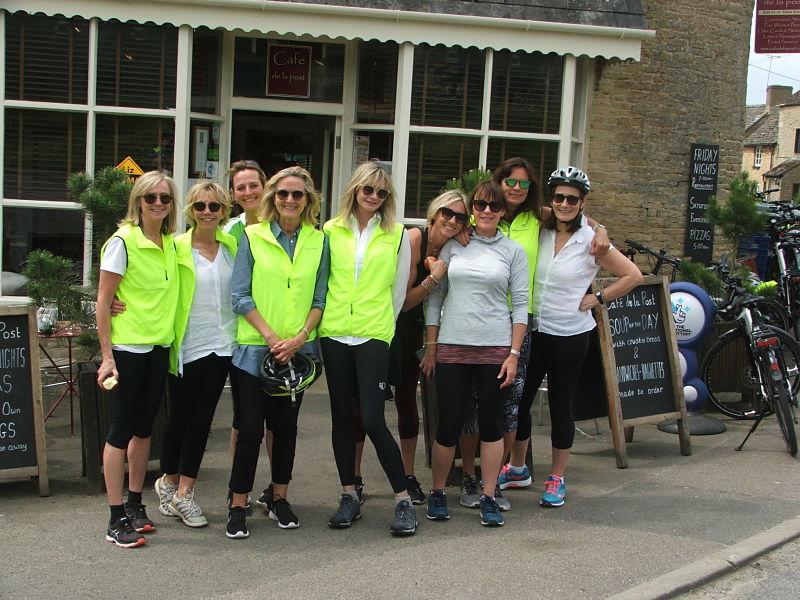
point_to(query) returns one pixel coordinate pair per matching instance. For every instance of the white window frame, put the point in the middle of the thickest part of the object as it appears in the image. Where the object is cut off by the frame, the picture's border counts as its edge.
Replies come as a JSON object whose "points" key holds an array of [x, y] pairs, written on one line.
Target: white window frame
{"points": [[757, 155]]}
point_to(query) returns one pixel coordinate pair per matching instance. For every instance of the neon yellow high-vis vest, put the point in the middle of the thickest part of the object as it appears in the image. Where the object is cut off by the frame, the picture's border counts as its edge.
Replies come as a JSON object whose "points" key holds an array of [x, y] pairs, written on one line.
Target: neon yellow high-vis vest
{"points": [[186, 281], [283, 289], [524, 229], [149, 290], [363, 310]]}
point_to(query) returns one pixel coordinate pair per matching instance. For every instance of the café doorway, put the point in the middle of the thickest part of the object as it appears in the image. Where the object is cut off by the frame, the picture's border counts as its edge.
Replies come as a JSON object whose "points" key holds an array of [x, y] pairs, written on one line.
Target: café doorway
{"points": [[279, 140]]}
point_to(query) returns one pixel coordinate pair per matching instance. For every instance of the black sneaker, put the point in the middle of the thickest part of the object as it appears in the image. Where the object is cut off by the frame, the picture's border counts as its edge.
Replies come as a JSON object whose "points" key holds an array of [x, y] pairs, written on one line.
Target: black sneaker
{"points": [[349, 510], [265, 499], [122, 533], [139, 519], [281, 511], [414, 490], [405, 519], [360, 490], [229, 500], [237, 525]]}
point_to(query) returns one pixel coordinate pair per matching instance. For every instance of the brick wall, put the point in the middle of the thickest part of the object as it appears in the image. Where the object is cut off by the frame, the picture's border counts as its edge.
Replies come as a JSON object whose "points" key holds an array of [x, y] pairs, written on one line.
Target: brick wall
{"points": [[688, 88]]}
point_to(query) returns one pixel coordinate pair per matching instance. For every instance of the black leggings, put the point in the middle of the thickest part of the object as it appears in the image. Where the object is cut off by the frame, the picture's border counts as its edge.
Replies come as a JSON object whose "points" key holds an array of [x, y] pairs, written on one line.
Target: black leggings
{"points": [[361, 370], [135, 401], [192, 402], [453, 382], [561, 359], [255, 408]]}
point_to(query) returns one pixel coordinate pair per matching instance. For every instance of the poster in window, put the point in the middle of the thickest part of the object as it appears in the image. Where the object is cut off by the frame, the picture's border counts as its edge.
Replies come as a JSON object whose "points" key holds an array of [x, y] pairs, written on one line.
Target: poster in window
{"points": [[288, 70]]}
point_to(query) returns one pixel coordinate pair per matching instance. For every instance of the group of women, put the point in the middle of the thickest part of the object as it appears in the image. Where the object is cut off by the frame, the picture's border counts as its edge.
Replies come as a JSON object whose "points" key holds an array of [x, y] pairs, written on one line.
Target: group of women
{"points": [[230, 297]]}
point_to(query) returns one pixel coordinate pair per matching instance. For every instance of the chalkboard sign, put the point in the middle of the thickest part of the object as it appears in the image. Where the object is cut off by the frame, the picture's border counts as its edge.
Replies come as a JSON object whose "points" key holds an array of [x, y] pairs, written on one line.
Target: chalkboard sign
{"points": [[640, 361], [22, 443], [704, 168]]}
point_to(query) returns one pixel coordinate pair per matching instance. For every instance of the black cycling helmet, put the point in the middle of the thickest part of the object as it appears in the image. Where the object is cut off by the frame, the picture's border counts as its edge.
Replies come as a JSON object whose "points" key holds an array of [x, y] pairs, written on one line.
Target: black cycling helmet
{"points": [[569, 176], [289, 379]]}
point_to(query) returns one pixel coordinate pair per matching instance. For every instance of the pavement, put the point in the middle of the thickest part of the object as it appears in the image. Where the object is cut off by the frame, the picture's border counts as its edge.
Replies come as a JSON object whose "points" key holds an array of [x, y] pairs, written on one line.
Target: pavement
{"points": [[662, 526]]}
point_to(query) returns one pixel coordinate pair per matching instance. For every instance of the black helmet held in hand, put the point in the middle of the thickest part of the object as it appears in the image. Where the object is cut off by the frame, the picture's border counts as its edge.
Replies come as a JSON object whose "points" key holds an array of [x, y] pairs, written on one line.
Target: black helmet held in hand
{"points": [[289, 379]]}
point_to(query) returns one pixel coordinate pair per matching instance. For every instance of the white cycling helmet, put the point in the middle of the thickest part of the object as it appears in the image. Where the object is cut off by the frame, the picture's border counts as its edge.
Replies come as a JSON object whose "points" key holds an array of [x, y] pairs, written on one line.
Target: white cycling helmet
{"points": [[569, 176]]}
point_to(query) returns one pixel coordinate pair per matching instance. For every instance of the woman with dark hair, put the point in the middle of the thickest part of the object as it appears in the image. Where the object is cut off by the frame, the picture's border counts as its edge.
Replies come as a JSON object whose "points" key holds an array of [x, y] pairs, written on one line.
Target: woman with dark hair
{"points": [[138, 264], [367, 287], [475, 323], [278, 290]]}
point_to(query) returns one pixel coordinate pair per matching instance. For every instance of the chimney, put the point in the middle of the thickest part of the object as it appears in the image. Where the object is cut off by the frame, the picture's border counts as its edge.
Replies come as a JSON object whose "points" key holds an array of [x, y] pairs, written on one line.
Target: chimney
{"points": [[778, 94]]}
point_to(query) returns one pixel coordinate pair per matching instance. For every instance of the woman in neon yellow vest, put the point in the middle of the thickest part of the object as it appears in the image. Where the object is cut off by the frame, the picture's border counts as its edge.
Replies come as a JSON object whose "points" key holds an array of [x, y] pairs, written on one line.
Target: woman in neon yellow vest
{"points": [[200, 356], [138, 264], [278, 290], [370, 264]]}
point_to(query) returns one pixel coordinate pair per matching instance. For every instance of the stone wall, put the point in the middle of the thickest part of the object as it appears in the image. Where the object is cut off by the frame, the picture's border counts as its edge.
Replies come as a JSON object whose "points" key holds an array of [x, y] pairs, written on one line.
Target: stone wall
{"points": [[788, 128], [689, 87]]}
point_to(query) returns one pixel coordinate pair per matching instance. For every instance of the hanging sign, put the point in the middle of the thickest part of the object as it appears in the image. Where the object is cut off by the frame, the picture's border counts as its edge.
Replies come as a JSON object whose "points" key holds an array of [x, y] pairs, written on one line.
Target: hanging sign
{"points": [[777, 27], [129, 166], [288, 71], [704, 167]]}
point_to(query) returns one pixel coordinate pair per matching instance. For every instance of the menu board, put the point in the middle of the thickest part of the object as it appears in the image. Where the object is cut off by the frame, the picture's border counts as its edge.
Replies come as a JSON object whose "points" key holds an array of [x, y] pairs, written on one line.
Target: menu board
{"points": [[704, 169]]}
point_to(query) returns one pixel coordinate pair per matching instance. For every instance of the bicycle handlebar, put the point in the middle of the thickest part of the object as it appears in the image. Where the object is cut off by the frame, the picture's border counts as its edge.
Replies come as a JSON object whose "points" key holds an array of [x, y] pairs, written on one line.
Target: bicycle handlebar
{"points": [[661, 255]]}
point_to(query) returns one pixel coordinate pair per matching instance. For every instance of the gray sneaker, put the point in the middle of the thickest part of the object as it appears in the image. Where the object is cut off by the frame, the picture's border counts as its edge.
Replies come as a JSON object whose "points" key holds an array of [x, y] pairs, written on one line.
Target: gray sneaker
{"points": [[470, 495], [349, 510], [405, 519], [502, 501], [164, 490], [187, 510]]}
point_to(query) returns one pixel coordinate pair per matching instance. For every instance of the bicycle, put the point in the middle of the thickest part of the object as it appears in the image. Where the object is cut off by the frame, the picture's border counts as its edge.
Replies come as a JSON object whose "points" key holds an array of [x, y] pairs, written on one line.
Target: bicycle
{"points": [[784, 258], [753, 370], [661, 258]]}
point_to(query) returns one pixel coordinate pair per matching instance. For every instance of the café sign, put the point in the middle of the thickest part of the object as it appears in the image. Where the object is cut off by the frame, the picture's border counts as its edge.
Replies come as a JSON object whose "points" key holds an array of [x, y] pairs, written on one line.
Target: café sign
{"points": [[288, 70]]}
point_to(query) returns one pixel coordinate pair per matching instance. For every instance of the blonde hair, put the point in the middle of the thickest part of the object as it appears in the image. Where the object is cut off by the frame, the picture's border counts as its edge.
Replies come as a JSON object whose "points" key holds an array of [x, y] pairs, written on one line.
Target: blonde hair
{"points": [[442, 200], [267, 211], [143, 185], [375, 174], [196, 194]]}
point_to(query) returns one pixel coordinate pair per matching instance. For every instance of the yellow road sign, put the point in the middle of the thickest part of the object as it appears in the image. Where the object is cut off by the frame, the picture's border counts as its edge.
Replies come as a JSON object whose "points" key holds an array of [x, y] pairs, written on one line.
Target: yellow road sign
{"points": [[129, 166]]}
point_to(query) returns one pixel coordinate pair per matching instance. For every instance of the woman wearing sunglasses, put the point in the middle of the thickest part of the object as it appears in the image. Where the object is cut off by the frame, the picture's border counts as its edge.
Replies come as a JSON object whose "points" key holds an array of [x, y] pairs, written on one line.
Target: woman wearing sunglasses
{"points": [[278, 290], [562, 320], [139, 265], [200, 356], [370, 262], [474, 332]]}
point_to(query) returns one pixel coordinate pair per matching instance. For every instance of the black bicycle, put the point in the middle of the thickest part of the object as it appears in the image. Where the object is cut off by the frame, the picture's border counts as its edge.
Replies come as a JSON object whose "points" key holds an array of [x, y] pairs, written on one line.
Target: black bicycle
{"points": [[655, 259]]}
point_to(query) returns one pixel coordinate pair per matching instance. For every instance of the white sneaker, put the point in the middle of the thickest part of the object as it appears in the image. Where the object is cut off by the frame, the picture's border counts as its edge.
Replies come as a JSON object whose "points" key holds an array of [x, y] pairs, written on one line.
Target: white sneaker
{"points": [[164, 490], [188, 511]]}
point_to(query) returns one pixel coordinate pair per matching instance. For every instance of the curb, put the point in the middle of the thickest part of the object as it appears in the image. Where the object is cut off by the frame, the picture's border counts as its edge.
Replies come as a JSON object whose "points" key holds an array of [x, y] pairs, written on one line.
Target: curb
{"points": [[715, 565]]}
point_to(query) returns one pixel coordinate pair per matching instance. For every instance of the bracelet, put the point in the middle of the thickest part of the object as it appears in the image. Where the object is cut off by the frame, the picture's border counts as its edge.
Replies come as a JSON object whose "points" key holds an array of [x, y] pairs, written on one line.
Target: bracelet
{"points": [[599, 225], [600, 297], [304, 330], [515, 352], [426, 284], [432, 278], [430, 343]]}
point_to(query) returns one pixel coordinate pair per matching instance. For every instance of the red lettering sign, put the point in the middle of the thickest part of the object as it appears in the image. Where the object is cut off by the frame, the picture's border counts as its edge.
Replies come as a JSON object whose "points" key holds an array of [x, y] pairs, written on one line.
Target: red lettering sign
{"points": [[288, 71], [777, 26]]}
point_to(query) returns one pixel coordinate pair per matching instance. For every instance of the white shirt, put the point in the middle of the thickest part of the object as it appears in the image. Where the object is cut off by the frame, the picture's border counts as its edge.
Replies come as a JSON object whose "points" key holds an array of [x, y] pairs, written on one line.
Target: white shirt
{"points": [[561, 281], [401, 275]]}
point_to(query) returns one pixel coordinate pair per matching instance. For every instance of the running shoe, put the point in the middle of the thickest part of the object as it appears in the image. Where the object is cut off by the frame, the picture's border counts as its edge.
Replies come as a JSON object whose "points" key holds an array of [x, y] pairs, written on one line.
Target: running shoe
{"points": [[414, 490], [281, 511], [265, 499], [139, 519], [164, 490], [555, 491], [187, 510], [490, 512], [509, 479], [122, 533], [437, 506], [405, 519], [237, 523], [502, 501], [349, 510], [470, 494]]}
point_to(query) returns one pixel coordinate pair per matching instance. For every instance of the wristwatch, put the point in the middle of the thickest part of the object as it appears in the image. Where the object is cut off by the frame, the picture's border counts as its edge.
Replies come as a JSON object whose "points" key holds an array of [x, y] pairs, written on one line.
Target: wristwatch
{"points": [[600, 298], [515, 352]]}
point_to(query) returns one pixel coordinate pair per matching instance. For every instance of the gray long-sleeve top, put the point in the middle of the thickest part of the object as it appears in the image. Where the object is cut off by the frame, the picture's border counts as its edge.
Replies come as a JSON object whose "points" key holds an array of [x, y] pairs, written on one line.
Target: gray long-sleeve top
{"points": [[471, 304]]}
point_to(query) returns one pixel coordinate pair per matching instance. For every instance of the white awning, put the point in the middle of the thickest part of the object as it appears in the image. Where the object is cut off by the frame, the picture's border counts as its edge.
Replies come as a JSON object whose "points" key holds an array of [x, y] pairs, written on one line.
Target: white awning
{"points": [[351, 23]]}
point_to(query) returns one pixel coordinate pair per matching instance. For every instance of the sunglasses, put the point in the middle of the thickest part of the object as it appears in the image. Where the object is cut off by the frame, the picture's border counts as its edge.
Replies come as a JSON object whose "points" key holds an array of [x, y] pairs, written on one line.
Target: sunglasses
{"points": [[151, 198], [369, 190], [524, 184], [449, 214], [480, 206], [212, 206], [284, 194], [571, 200]]}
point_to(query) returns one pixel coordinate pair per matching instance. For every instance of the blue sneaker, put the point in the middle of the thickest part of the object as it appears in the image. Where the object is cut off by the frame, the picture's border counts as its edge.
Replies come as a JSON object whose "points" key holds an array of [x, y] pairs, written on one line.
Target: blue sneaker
{"points": [[555, 490], [437, 506], [509, 479], [490, 512]]}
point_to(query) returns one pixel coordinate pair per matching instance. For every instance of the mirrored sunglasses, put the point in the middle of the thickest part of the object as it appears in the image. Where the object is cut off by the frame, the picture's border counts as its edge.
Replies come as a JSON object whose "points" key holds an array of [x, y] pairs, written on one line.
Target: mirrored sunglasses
{"points": [[571, 200], [524, 184], [151, 198], [369, 190]]}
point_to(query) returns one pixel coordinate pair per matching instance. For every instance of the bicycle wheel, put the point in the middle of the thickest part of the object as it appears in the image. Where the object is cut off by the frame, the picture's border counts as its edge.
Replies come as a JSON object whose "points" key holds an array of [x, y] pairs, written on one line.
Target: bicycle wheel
{"points": [[729, 372], [784, 412]]}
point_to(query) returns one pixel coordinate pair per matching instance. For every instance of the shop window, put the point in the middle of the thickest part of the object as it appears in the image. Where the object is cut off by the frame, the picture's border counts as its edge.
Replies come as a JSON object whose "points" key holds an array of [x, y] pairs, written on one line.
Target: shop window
{"points": [[137, 65], [205, 69], [42, 149], [526, 92], [324, 70], [46, 58], [432, 160], [797, 141], [368, 145], [26, 229], [448, 87], [796, 192], [377, 82], [147, 140], [757, 157], [543, 155]]}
